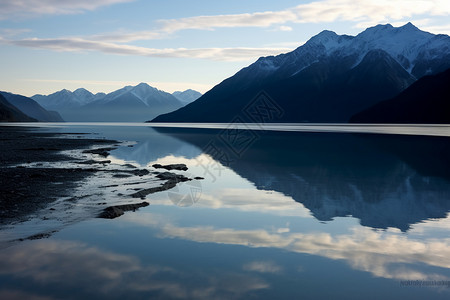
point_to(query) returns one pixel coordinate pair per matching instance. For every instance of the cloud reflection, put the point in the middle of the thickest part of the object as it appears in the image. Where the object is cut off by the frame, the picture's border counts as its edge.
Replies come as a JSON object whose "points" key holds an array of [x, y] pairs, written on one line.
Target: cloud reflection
{"points": [[92, 272], [387, 254]]}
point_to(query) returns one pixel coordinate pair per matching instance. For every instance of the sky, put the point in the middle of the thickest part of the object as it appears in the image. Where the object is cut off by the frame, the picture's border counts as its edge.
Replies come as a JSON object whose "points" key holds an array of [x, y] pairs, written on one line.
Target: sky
{"points": [[174, 45]]}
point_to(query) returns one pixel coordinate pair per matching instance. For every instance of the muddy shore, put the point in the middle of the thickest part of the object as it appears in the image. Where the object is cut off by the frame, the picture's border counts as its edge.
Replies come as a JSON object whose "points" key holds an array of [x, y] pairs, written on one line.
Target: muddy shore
{"points": [[26, 190], [36, 176]]}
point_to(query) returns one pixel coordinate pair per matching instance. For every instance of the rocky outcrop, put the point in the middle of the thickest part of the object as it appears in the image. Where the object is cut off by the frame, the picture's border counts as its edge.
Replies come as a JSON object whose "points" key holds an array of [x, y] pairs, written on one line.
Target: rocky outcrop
{"points": [[113, 212]]}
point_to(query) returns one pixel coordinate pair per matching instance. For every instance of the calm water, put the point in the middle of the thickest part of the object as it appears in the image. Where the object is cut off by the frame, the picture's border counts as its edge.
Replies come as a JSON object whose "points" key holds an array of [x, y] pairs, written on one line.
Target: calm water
{"points": [[280, 215]]}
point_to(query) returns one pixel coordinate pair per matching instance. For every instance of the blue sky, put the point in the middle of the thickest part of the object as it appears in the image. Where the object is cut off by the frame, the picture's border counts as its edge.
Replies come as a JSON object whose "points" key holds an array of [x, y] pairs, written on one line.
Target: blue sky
{"points": [[103, 45]]}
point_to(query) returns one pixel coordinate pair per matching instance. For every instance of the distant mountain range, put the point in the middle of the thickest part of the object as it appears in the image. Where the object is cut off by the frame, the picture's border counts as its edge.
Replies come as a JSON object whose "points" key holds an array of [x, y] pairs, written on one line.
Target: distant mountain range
{"points": [[425, 101], [128, 104], [24, 109], [328, 79], [187, 96], [10, 113]]}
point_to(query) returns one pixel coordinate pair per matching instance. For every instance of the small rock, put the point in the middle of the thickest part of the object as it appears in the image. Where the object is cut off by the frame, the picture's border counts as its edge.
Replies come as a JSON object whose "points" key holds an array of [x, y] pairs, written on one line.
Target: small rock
{"points": [[113, 212], [100, 151], [179, 167]]}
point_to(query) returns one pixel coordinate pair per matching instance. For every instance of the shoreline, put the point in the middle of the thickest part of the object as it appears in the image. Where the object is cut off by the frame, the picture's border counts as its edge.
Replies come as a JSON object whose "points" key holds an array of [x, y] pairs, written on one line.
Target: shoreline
{"points": [[27, 190], [51, 179]]}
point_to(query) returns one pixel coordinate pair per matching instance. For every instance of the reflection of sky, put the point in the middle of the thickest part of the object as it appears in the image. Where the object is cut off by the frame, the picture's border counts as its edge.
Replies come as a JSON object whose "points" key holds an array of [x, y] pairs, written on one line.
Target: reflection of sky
{"points": [[238, 240]]}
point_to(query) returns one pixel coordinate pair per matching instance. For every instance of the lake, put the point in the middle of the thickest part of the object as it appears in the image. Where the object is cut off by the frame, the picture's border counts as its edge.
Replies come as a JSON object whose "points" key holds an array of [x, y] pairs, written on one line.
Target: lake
{"points": [[284, 212]]}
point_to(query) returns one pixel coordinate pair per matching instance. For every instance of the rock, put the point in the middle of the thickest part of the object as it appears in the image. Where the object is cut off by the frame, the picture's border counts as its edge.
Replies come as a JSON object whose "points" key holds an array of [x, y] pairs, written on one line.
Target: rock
{"points": [[92, 162], [100, 151], [172, 180], [179, 167], [172, 176], [142, 172], [198, 178], [129, 166], [113, 212], [122, 175]]}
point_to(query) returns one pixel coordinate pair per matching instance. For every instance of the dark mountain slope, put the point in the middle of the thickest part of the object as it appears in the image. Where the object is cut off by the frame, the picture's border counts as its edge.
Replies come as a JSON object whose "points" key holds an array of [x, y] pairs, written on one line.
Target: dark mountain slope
{"points": [[425, 101], [32, 108], [10, 113], [329, 78]]}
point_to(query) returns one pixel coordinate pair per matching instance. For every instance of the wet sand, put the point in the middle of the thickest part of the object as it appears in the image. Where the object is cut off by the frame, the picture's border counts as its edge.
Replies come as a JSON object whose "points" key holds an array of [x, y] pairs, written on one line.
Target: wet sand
{"points": [[23, 190], [50, 180]]}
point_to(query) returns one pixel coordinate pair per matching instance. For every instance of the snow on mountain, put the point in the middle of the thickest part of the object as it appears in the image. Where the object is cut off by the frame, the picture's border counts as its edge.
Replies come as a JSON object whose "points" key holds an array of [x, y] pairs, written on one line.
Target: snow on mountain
{"points": [[187, 96], [83, 96], [407, 44], [130, 103], [65, 99], [328, 77]]}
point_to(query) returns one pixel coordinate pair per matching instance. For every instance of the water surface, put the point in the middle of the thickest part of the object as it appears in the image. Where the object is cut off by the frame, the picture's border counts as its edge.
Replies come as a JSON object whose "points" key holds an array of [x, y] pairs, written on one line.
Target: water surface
{"points": [[281, 214]]}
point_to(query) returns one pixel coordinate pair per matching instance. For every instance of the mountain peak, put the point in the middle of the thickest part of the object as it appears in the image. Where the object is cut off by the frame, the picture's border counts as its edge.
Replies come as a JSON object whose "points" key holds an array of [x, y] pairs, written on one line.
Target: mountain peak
{"points": [[409, 26], [143, 84], [324, 37], [79, 90], [328, 39], [82, 92]]}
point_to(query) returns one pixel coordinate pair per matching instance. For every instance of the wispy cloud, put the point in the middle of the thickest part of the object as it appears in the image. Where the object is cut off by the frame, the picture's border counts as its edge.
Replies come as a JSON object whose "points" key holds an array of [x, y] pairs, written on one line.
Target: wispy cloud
{"points": [[262, 267], [126, 37], [26, 8], [259, 19], [9, 32], [374, 11], [80, 44], [361, 12]]}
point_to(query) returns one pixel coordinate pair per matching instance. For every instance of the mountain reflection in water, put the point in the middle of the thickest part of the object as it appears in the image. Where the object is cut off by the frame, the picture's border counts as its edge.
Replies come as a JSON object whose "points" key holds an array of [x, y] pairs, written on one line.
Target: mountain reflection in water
{"points": [[383, 180]]}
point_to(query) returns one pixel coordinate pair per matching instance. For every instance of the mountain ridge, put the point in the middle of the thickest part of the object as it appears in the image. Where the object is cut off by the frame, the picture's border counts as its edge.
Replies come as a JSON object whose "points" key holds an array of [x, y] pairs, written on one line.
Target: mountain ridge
{"points": [[127, 104], [32, 108], [10, 113], [426, 101], [305, 79]]}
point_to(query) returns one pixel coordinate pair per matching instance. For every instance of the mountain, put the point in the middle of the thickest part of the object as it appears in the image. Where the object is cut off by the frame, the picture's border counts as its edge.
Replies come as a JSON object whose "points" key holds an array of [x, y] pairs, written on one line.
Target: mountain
{"points": [[32, 108], [10, 113], [382, 180], [128, 104], [66, 99], [425, 101], [187, 96], [328, 79]]}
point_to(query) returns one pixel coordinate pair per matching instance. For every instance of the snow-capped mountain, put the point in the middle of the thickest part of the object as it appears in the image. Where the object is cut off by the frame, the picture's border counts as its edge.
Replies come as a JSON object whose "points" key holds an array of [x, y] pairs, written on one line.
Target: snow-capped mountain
{"points": [[66, 99], [128, 104], [329, 78], [187, 96], [408, 45]]}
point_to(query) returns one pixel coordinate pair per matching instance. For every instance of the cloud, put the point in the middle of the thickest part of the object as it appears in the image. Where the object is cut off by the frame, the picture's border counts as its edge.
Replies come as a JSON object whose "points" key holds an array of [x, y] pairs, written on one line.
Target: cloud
{"points": [[285, 28], [262, 267], [374, 11], [25, 8], [80, 44], [363, 12], [259, 19], [8, 32], [126, 37], [384, 254], [443, 29], [98, 273]]}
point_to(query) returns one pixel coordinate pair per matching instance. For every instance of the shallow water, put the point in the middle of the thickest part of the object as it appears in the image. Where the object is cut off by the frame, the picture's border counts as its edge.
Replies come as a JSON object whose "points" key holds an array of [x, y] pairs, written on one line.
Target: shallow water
{"points": [[281, 214]]}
